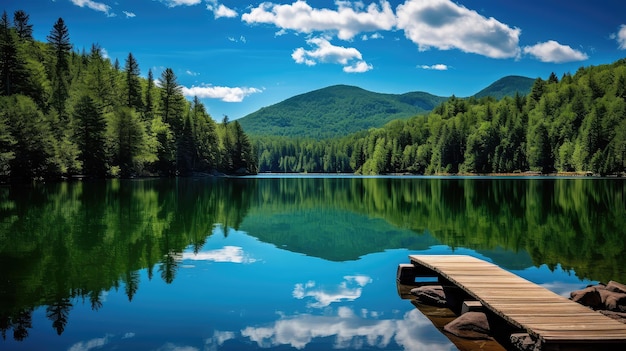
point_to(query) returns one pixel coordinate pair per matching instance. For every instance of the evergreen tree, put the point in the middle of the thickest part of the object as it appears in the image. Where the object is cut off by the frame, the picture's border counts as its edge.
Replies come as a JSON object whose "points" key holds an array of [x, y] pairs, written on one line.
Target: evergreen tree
{"points": [[33, 147], [59, 41], [23, 28], [148, 100], [133, 85], [127, 140], [89, 134], [12, 65]]}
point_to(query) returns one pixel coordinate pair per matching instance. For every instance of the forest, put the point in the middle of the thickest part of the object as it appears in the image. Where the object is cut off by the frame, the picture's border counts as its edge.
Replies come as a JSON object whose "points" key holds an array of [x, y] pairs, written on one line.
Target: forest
{"points": [[65, 113], [573, 124]]}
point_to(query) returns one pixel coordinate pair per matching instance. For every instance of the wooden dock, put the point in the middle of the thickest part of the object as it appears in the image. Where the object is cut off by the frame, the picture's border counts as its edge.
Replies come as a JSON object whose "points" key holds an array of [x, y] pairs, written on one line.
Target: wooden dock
{"points": [[552, 321]]}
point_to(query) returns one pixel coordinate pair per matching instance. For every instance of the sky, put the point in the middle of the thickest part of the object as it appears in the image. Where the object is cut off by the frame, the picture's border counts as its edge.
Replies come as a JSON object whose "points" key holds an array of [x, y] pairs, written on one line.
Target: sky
{"points": [[238, 56]]}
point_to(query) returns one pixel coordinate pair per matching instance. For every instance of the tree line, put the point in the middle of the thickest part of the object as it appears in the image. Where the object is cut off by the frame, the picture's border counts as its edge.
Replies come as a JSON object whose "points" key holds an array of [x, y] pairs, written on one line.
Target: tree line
{"points": [[66, 113], [573, 124]]}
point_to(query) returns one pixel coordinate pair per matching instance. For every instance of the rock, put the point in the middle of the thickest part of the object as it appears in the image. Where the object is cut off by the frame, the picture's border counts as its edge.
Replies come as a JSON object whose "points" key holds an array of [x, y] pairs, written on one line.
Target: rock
{"points": [[524, 342], [470, 325], [618, 316], [616, 287], [589, 296], [613, 301], [431, 295]]}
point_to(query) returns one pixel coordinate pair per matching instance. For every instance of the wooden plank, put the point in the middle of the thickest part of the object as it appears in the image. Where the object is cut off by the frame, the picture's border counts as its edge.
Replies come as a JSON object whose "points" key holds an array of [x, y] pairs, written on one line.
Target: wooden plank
{"points": [[547, 316]]}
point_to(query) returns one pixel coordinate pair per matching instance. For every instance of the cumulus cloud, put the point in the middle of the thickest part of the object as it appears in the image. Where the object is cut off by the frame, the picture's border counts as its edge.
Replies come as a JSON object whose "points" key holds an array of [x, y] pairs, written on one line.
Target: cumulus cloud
{"points": [[437, 67], [129, 14], [552, 51], [348, 20], [348, 331], [445, 25], [219, 10], [97, 6], [358, 67], [232, 254], [174, 3], [620, 36], [348, 290], [226, 94], [325, 52]]}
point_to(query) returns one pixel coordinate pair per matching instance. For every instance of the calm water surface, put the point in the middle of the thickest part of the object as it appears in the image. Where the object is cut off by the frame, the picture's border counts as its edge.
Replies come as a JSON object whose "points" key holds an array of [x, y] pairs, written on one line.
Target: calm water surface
{"points": [[286, 263]]}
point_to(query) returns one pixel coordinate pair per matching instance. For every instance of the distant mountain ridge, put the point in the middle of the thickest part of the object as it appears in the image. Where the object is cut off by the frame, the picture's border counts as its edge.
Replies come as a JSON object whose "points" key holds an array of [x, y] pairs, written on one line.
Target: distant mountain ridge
{"points": [[340, 110], [507, 86]]}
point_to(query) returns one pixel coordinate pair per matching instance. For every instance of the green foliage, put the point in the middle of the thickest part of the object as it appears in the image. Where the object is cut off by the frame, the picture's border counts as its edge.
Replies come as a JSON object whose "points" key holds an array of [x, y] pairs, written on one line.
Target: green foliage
{"points": [[64, 113], [335, 111], [576, 124], [507, 86]]}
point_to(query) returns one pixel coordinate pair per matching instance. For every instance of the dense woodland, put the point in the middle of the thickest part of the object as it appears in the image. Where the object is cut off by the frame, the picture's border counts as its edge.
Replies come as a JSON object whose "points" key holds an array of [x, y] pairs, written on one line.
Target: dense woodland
{"points": [[66, 113], [573, 124]]}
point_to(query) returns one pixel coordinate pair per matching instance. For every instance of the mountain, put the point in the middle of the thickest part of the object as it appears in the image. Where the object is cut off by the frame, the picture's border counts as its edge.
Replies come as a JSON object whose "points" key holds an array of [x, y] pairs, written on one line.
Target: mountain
{"points": [[342, 109], [507, 86], [335, 111]]}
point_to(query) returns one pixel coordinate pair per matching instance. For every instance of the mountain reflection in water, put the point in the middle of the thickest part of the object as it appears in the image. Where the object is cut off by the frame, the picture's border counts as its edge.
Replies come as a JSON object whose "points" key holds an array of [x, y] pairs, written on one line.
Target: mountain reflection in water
{"points": [[293, 262]]}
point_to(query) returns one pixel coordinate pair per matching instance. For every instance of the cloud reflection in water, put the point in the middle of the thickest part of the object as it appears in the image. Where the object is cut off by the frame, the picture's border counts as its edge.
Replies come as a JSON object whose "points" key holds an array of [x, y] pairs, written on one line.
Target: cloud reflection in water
{"points": [[348, 290], [413, 332]]}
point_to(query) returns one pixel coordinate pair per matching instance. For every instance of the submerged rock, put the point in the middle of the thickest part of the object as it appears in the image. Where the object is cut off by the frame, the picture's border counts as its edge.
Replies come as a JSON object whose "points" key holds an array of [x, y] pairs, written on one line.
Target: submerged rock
{"points": [[470, 325], [431, 295]]}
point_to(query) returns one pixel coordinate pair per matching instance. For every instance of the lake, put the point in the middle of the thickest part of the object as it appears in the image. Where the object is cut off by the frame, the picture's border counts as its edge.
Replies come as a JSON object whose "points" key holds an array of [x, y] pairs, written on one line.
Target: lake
{"points": [[281, 263]]}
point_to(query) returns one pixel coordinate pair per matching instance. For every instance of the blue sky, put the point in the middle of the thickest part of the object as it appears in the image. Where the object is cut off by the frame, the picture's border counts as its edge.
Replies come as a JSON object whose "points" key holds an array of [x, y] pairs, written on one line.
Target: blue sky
{"points": [[241, 55]]}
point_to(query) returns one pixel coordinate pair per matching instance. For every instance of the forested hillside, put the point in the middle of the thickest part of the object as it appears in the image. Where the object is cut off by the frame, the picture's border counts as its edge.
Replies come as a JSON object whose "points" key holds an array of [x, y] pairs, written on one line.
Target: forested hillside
{"points": [[573, 124], [507, 86], [335, 111], [65, 113]]}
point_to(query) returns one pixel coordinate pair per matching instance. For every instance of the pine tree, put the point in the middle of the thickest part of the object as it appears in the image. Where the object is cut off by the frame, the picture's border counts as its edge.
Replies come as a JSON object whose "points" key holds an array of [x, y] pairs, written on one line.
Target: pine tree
{"points": [[23, 28], [59, 40], [12, 66], [89, 135], [133, 85]]}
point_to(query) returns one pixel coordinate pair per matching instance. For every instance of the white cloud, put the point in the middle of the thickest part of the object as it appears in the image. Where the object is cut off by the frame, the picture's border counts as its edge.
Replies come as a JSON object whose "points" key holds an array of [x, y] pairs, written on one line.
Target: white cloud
{"points": [[129, 14], [325, 52], [358, 67], [173, 347], [437, 67], [349, 289], [349, 331], [97, 6], [219, 10], [89, 344], [233, 254], [620, 36], [552, 51], [218, 339], [174, 3], [347, 20], [241, 39], [373, 36], [445, 25], [192, 73]]}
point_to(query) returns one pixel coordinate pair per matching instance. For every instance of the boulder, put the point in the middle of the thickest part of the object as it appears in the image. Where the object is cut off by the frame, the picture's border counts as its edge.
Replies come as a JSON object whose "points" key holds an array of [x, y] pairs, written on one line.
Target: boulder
{"points": [[589, 296], [431, 295], [613, 301], [524, 342], [616, 287], [470, 325]]}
